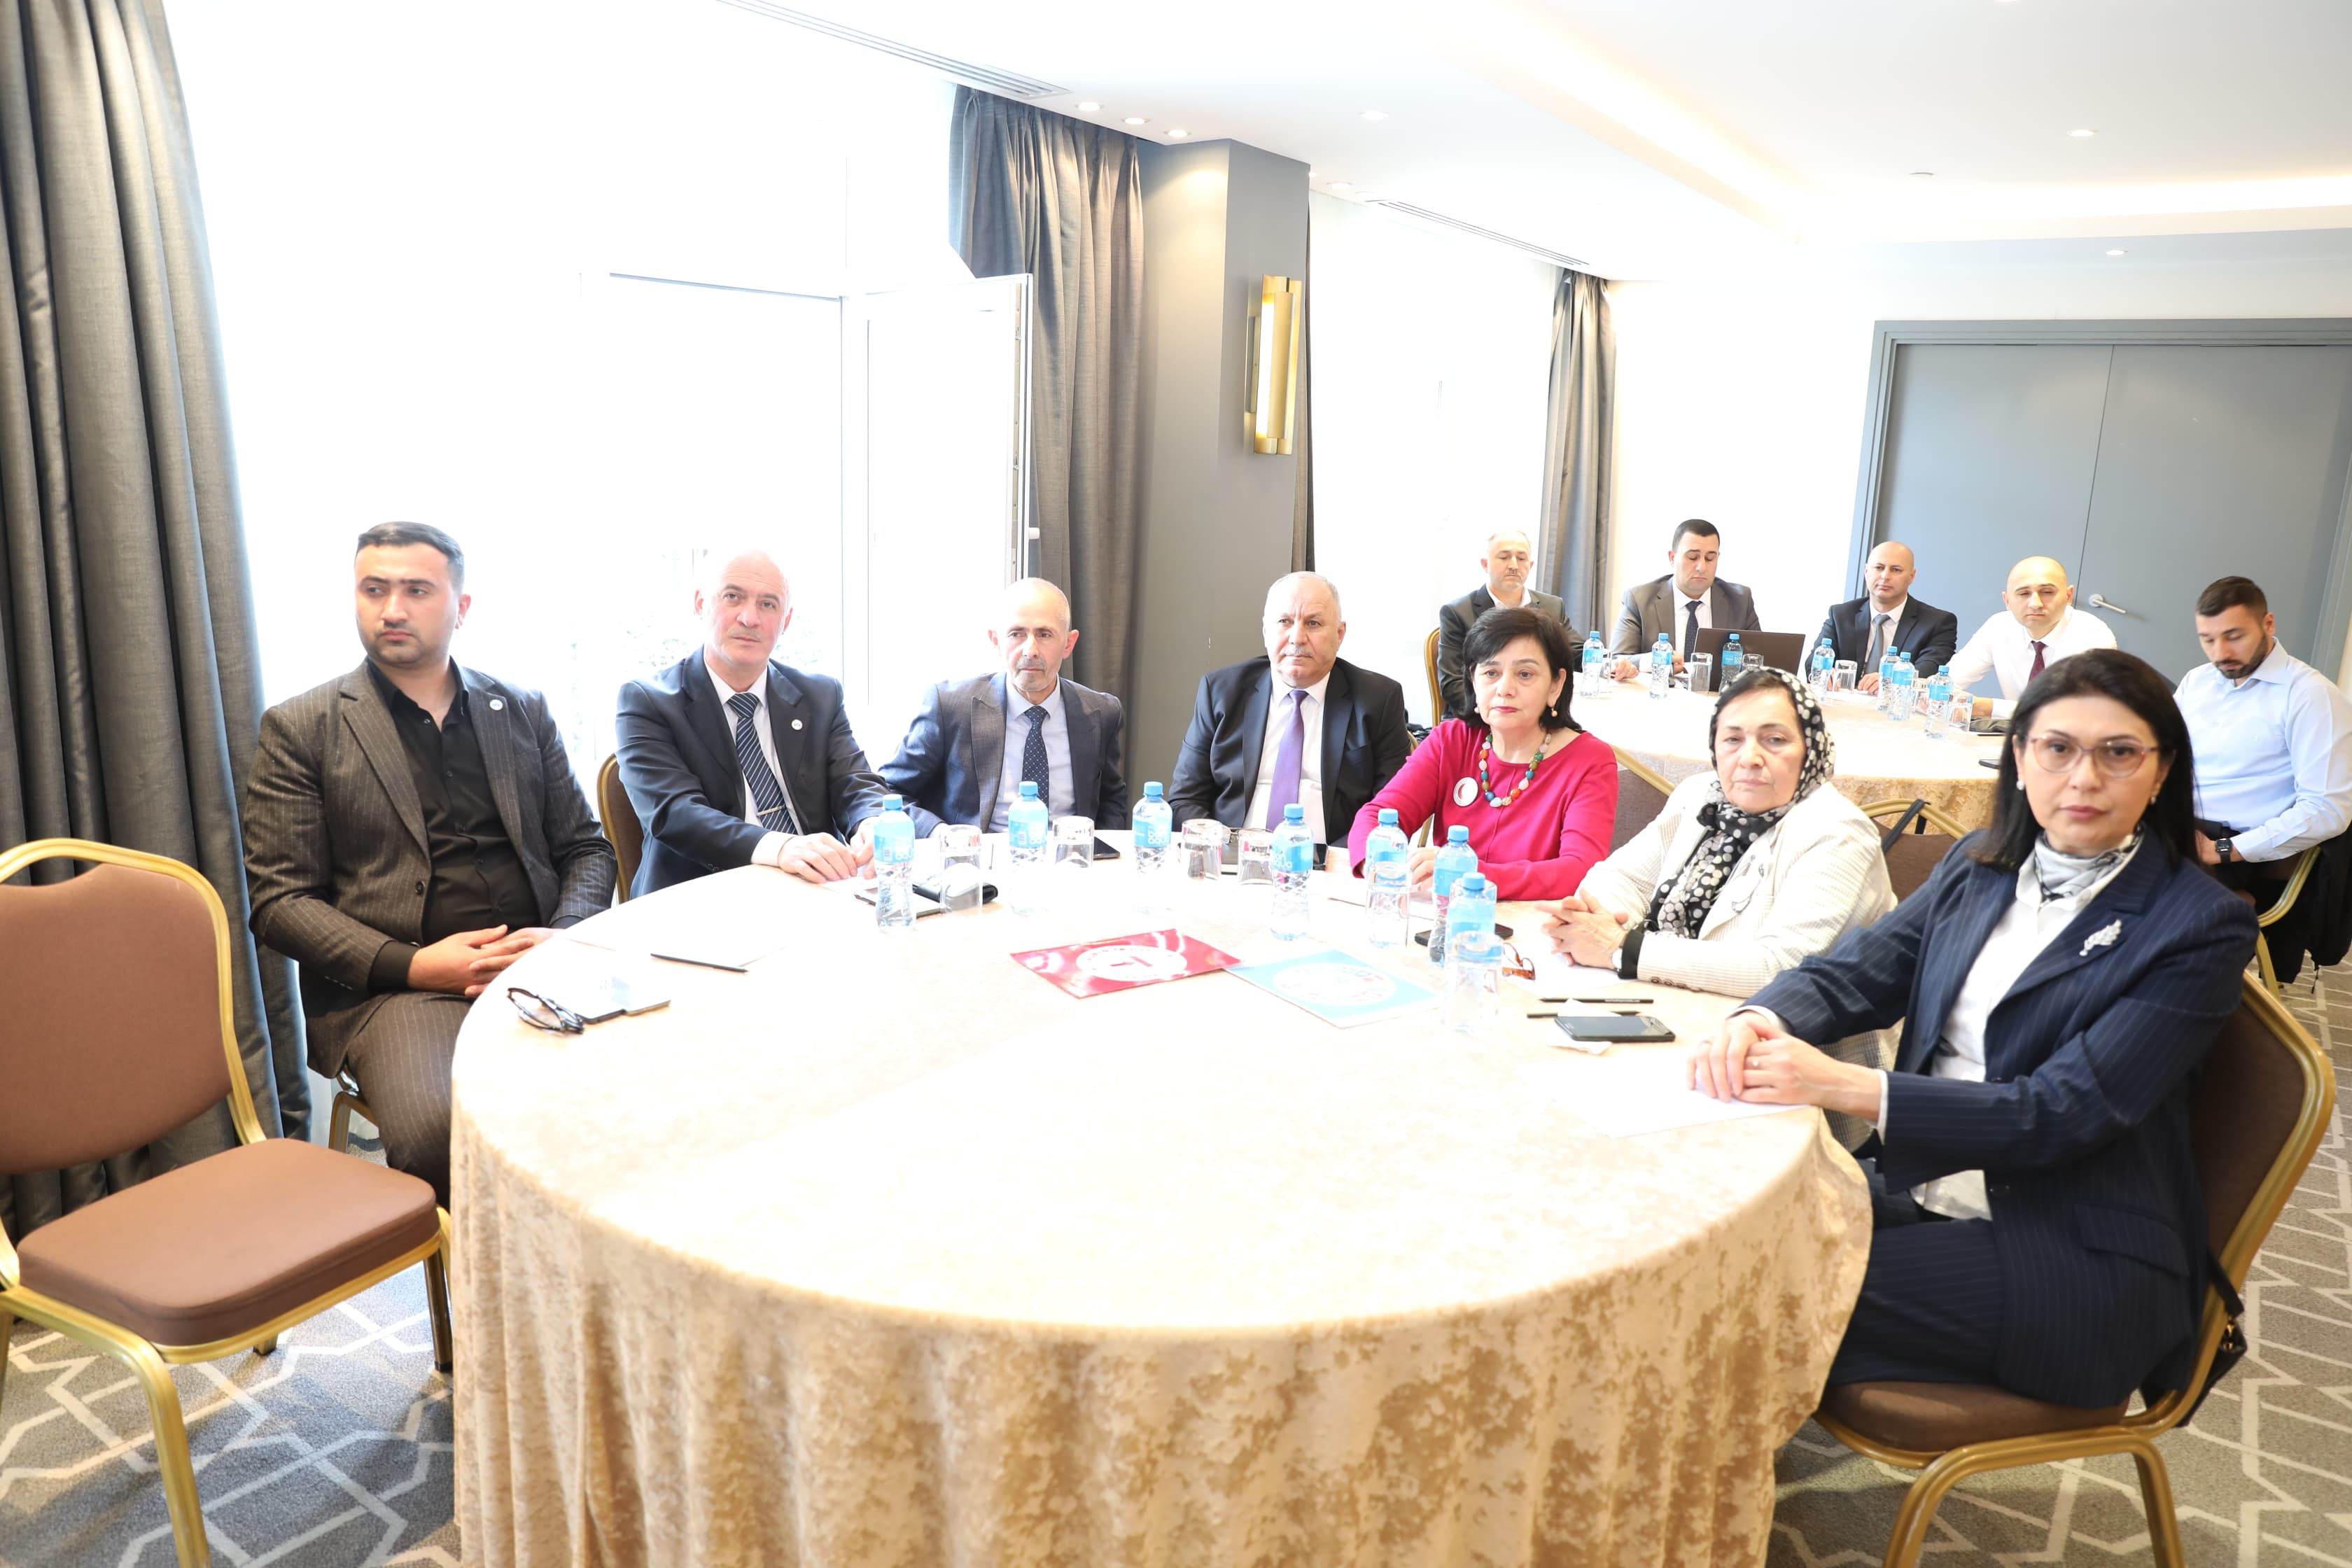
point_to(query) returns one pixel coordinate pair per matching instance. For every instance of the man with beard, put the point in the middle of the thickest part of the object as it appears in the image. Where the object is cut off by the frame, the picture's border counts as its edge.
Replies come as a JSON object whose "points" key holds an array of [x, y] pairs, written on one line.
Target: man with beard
{"points": [[1510, 557], [977, 741]]}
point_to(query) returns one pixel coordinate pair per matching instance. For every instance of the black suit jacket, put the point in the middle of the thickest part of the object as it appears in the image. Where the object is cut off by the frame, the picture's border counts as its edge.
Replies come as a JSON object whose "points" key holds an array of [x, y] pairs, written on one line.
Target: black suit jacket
{"points": [[2081, 1125], [1364, 743], [949, 764], [1929, 635], [677, 747]]}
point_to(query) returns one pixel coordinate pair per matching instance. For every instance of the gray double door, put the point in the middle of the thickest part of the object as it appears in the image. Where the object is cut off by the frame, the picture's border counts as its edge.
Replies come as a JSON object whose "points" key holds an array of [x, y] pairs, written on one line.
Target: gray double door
{"points": [[2148, 470]]}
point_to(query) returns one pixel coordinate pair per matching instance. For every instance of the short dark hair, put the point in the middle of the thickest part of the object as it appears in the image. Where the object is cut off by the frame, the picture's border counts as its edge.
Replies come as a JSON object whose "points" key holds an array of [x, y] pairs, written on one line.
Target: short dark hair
{"points": [[2172, 816], [1693, 525], [1498, 629], [2229, 593], [393, 535]]}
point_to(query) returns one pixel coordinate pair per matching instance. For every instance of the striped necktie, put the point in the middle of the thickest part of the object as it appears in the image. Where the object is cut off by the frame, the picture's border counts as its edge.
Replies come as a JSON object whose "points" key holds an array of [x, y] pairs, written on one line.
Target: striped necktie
{"points": [[767, 790]]}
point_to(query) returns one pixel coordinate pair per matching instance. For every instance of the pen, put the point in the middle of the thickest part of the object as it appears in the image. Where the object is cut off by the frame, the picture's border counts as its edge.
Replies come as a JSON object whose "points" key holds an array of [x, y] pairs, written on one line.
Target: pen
{"points": [[1606, 1001], [701, 962]]}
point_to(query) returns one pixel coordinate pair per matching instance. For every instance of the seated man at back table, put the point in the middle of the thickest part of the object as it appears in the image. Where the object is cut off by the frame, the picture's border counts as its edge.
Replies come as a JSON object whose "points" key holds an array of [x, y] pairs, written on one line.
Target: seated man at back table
{"points": [[1887, 617], [1300, 725], [412, 828], [2272, 739], [1510, 557], [732, 758], [1687, 600], [977, 741], [2039, 627]]}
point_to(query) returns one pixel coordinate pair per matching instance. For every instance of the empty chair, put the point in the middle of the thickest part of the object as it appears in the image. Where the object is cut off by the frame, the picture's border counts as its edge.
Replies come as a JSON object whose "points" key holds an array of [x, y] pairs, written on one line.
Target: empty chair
{"points": [[1641, 795], [1918, 837]]}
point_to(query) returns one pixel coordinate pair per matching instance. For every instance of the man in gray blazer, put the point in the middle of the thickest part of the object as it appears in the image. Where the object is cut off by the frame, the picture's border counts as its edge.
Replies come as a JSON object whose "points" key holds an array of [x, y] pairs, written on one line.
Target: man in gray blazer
{"points": [[1687, 600], [1510, 557], [956, 764], [411, 830]]}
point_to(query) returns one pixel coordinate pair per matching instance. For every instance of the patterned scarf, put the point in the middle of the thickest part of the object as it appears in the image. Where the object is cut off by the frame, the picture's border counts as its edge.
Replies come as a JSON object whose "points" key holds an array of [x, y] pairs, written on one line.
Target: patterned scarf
{"points": [[1680, 905], [2062, 874]]}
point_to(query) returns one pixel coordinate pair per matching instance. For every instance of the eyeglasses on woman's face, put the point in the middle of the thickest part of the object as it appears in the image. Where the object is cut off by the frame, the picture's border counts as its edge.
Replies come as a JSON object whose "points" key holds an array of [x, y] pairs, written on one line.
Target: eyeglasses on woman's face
{"points": [[2118, 759]]}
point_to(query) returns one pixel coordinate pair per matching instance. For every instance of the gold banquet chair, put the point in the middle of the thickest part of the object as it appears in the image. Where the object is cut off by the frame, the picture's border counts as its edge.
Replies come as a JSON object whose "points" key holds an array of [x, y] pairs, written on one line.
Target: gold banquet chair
{"points": [[2280, 908], [1437, 713], [1914, 856], [621, 829], [347, 1099], [102, 1056], [2261, 1105], [1640, 795]]}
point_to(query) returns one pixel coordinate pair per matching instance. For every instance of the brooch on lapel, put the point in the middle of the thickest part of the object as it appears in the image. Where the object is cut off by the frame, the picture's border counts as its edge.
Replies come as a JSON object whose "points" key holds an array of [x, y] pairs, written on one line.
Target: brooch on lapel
{"points": [[2102, 937]]}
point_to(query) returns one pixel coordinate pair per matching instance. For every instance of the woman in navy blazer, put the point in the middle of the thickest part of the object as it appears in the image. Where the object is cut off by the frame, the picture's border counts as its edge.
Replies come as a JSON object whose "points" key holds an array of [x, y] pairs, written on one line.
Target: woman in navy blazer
{"points": [[2039, 1219]]}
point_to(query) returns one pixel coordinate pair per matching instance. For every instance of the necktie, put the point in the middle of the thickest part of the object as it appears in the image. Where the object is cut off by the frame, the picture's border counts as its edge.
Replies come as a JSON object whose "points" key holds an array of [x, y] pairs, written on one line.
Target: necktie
{"points": [[767, 792], [1034, 767], [1690, 632], [2035, 673], [1877, 644], [1288, 758]]}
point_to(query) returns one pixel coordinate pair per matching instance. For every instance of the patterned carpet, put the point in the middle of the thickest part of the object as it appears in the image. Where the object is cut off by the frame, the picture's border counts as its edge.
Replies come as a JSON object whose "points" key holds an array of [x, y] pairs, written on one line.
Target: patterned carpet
{"points": [[336, 1450]]}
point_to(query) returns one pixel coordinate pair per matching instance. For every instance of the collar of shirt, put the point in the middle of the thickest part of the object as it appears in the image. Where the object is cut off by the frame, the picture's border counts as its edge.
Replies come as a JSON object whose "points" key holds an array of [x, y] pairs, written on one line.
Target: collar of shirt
{"points": [[1282, 692], [1526, 600], [2277, 668], [759, 693], [1016, 706], [1871, 612], [403, 705]]}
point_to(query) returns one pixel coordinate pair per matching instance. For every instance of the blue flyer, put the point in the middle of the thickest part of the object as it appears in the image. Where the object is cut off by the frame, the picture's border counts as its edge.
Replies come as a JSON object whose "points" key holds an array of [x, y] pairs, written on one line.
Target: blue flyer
{"points": [[1339, 987]]}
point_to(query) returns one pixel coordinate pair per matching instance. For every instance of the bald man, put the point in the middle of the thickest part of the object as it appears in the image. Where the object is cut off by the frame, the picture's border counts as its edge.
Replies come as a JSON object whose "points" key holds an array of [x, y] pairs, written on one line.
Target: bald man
{"points": [[1510, 557], [976, 741], [2039, 627], [1300, 725], [732, 758], [1886, 617]]}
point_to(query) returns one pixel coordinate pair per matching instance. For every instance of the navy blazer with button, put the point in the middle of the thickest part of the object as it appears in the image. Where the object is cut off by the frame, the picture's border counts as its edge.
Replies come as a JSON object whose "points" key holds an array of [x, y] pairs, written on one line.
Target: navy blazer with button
{"points": [[2081, 1126], [1929, 635]]}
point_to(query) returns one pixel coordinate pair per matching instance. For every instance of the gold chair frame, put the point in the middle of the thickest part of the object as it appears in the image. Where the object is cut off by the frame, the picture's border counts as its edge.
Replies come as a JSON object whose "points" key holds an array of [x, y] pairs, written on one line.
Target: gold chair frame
{"points": [[2278, 912], [1936, 819], [2133, 1434], [1646, 774], [1437, 714], [612, 798], [347, 1101], [150, 1363]]}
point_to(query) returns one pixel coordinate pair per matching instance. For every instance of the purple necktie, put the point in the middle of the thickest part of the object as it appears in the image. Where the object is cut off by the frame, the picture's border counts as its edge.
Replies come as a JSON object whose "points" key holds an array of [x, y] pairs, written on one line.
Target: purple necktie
{"points": [[1287, 760]]}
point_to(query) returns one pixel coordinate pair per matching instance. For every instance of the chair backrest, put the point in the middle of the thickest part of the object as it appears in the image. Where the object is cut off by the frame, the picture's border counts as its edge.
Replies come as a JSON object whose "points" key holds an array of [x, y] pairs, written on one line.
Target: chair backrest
{"points": [[1641, 795], [621, 829], [119, 1023], [1912, 856], [2260, 1109], [1437, 713]]}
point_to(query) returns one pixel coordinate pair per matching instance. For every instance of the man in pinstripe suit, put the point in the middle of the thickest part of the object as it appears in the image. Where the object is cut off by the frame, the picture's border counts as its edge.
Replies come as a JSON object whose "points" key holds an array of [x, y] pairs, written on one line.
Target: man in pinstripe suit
{"points": [[412, 828]]}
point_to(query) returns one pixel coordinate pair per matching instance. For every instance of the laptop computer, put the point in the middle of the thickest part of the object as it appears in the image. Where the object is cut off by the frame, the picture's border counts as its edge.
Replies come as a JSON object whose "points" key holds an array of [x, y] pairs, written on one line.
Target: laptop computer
{"points": [[1782, 650]]}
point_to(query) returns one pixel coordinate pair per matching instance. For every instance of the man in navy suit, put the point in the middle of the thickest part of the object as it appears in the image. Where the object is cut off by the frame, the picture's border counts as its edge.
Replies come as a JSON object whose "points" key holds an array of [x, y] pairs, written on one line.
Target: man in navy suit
{"points": [[732, 758], [1887, 617], [2061, 978], [1299, 726], [957, 763]]}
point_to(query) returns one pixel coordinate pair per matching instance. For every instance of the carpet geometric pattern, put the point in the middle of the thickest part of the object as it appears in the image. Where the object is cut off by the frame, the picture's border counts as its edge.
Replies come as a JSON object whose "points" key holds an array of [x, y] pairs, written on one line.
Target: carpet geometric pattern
{"points": [[336, 1449]]}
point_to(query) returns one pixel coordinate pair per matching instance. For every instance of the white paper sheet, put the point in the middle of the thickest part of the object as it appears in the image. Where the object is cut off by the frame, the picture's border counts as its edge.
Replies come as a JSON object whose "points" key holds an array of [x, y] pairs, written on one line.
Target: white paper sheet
{"points": [[1638, 1091]]}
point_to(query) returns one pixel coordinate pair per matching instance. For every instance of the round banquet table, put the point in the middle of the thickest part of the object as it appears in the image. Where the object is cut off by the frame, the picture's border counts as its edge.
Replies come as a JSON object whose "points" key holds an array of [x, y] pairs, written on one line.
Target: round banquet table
{"points": [[887, 1251], [1877, 759]]}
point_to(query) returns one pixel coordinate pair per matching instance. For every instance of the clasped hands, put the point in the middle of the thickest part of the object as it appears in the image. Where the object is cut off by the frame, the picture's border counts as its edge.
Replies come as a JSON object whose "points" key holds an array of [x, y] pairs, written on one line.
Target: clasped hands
{"points": [[1753, 1058], [462, 963], [822, 858]]}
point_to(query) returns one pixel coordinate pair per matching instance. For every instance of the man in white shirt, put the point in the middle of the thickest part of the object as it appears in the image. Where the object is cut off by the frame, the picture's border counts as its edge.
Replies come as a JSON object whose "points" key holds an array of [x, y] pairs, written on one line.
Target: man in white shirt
{"points": [[2039, 627], [2273, 738]]}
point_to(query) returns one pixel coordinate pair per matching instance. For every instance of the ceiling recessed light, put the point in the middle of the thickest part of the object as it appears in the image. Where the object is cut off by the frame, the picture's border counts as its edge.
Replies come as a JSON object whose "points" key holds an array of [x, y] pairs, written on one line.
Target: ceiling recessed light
{"points": [[1179, 131], [1923, 174], [1376, 114], [2086, 132], [1089, 107], [1341, 185], [2114, 253], [1136, 120]]}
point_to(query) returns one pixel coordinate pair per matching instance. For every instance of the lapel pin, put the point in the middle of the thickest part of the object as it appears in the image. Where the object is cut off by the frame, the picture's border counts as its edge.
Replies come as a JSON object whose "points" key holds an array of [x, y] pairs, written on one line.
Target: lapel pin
{"points": [[796, 723], [498, 704], [2102, 937]]}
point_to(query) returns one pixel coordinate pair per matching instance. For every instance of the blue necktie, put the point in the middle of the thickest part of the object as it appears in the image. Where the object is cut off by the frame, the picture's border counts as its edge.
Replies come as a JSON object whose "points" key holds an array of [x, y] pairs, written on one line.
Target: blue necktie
{"points": [[767, 792]]}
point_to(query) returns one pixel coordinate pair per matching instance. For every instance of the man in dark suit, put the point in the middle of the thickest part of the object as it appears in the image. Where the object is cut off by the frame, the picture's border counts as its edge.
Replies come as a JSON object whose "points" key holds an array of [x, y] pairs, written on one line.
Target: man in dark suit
{"points": [[732, 758], [1687, 600], [412, 828], [1510, 558], [1889, 618], [1301, 725], [955, 765]]}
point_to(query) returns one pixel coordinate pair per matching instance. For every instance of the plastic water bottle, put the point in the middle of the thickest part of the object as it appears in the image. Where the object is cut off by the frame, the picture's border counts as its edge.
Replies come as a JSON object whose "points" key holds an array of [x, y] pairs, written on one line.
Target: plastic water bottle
{"points": [[1886, 681], [1153, 838], [1473, 984], [1027, 875], [1473, 908], [1589, 677], [1455, 861], [1387, 903], [1939, 700], [1662, 667], [1824, 666], [1734, 660], [1294, 861], [894, 867], [1907, 687]]}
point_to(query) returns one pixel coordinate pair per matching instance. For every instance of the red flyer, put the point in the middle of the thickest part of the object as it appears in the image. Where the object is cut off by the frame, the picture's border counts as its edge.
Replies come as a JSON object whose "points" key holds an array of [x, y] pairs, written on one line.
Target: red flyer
{"points": [[1124, 963]]}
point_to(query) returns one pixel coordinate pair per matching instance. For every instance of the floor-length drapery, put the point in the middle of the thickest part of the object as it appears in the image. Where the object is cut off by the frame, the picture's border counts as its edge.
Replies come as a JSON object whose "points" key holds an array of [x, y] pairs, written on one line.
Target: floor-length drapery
{"points": [[130, 695], [1040, 193], [1573, 546], [1302, 503]]}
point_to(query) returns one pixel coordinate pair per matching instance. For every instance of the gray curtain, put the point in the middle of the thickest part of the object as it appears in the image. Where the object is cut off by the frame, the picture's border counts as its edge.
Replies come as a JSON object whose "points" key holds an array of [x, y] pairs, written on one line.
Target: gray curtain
{"points": [[1302, 503], [1063, 200], [129, 696], [1579, 424]]}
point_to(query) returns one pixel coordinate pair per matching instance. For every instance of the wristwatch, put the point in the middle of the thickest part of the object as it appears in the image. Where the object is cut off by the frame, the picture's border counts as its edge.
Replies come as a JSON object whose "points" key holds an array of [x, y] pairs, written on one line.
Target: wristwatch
{"points": [[2223, 848]]}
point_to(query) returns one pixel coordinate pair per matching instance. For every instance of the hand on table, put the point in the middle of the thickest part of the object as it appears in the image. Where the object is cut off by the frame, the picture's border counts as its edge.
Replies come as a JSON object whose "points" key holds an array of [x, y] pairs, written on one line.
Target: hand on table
{"points": [[1868, 684], [1753, 1058], [822, 858], [1584, 930], [1420, 868]]}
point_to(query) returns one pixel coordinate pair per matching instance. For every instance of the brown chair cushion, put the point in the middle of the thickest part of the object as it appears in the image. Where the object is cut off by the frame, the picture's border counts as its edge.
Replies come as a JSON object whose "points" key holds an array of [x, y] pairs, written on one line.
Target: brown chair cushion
{"points": [[1914, 858], [219, 1247], [1931, 1417]]}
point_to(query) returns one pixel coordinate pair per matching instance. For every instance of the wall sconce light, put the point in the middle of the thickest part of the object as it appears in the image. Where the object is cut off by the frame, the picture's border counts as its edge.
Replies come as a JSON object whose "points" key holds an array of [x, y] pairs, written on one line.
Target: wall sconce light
{"points": [[1270, 399]]}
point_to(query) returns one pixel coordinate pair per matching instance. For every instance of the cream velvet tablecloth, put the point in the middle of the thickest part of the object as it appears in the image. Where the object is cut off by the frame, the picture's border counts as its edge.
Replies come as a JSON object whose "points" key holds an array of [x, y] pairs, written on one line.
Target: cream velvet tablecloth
{"points": [[888, 1252], [1877, 759]]}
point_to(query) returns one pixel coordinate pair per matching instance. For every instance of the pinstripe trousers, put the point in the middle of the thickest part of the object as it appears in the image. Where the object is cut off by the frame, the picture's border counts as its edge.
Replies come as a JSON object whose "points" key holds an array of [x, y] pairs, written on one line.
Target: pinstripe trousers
{"points": [[1930, 1308], [401, 1060]]}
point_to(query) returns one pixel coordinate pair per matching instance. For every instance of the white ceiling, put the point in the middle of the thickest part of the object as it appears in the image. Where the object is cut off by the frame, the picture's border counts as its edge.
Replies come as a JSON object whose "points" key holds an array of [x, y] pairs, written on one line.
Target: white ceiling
{"points": [[1654, 138]]}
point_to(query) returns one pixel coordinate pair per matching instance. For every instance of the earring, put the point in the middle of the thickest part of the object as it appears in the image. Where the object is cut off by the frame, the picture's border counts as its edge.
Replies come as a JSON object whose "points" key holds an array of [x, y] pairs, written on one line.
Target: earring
{"points": [[2021, 784]]}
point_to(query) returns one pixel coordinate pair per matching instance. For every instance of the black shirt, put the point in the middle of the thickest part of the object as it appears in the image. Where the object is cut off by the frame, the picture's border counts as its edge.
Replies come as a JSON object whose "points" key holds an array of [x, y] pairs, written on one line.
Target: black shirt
{"points": [[478, 880]]}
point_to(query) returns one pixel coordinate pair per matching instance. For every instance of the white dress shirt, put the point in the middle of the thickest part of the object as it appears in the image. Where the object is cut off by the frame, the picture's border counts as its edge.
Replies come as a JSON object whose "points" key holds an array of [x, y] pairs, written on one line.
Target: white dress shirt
{"points": [[1870, 630], [2002, 645], [1061, 792], [770, 850], [2025, 929], [1683, 603], [1310, 762], [2273, 755]]}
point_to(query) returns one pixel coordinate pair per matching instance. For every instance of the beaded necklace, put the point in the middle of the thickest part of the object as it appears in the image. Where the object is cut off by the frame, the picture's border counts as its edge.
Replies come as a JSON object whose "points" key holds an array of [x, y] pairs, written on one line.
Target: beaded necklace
{"points": [[1485, 749]]}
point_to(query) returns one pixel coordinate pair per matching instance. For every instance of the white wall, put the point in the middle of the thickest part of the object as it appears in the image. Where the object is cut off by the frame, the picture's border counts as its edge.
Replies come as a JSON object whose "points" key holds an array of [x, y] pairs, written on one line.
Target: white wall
{"points": [[1741, 399]]}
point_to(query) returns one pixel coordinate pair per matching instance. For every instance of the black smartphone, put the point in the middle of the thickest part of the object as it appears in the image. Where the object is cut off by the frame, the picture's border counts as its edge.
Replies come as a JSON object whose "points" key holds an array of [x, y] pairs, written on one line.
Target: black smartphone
{"points": [[1640, 1029], [1105, 850], [1501, 932]]}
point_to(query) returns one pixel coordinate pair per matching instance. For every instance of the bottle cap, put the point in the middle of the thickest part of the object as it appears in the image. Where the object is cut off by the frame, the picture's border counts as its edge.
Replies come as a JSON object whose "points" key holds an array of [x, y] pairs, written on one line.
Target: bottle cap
{"points": [[1151, 790], [893, 802], [1473, 884], [1457, 833], [1388, 816], [1028, 789], [1294, 812]]}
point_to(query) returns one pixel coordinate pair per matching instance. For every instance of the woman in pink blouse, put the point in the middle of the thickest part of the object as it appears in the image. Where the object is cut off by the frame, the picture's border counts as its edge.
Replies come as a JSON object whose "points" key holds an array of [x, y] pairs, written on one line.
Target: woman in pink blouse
{"points": [[1537, 792]]}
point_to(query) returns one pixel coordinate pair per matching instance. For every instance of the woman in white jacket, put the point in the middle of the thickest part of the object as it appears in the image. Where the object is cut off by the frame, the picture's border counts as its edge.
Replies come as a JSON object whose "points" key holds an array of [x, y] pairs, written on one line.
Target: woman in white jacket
{"points": [[1747, 871]]}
